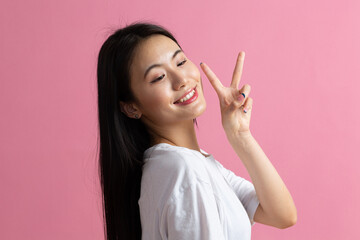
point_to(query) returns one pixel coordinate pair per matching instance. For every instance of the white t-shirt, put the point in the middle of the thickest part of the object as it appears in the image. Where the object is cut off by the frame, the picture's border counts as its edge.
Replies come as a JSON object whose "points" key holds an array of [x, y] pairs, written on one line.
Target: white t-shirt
{"points": [[185, 195]]}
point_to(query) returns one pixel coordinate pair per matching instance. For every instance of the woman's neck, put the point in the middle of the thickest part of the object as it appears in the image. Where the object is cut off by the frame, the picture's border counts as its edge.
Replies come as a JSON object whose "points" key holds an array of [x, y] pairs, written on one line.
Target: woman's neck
{"points": [[182, 135]]}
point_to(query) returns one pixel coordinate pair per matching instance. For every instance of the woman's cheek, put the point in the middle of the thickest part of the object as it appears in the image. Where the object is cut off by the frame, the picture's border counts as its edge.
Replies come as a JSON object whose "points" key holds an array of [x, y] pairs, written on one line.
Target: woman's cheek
{"points": [[156, 98], [194, 71]]}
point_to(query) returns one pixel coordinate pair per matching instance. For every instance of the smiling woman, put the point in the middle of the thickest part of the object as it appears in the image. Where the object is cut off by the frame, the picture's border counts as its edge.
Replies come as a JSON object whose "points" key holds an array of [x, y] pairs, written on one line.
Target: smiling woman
{"points": [[142, 71], [157, 183]]}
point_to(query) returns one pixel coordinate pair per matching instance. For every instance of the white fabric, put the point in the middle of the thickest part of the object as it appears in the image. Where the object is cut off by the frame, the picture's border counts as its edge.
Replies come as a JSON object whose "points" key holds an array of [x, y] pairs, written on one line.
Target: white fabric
{"points": [[185, 195]]}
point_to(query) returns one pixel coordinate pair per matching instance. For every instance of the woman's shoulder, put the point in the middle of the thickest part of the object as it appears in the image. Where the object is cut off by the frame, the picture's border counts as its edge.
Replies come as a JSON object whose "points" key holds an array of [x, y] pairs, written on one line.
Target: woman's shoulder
{"points": [[165, 162], [167, 157]]}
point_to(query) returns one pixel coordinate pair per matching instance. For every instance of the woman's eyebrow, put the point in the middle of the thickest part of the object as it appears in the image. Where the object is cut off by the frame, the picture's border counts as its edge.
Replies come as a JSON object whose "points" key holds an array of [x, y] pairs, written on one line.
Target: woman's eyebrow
{"points": [[158, 65]]}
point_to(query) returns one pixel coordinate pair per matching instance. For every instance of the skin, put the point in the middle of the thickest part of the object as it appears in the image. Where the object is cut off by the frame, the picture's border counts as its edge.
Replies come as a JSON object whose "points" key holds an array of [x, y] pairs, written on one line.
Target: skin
{"points": [[173, 124]]}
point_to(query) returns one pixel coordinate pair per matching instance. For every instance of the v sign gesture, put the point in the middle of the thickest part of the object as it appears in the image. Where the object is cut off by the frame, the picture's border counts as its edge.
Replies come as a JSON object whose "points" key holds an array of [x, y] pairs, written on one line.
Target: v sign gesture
{"points": [[235, 104], [235, 116]]}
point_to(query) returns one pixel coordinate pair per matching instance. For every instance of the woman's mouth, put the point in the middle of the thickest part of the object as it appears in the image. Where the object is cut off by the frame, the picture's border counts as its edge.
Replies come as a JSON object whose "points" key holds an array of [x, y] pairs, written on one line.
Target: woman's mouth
{"points": [[189, 98]]}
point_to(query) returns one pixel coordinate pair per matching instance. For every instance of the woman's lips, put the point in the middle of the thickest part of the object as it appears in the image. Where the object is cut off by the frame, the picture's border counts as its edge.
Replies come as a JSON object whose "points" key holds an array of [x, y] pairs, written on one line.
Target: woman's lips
{"points": [[184, 95], [190, 100]]}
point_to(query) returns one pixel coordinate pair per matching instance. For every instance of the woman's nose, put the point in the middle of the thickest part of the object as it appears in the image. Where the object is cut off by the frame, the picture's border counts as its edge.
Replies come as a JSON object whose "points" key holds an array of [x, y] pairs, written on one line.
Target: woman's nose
{"points": [[179, 80]]}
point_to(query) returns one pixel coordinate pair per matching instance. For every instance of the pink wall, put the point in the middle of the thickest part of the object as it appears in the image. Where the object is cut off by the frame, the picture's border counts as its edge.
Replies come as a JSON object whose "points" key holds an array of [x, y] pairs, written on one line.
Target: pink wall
{"points": [[302, 61]]}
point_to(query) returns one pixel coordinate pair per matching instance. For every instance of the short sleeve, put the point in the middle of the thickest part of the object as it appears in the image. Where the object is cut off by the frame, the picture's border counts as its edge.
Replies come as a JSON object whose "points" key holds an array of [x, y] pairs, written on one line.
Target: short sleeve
{"points": [[243, 189], [191, 213]]}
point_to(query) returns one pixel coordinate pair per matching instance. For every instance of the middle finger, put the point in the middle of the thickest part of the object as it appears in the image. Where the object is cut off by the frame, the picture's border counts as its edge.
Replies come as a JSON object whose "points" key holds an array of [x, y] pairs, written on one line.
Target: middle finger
{"points": [[238, 70]]}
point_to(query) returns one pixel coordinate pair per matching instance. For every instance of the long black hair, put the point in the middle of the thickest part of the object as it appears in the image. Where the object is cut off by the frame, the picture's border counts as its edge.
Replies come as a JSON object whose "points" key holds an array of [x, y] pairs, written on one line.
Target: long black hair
{"points": [[123, 140]]}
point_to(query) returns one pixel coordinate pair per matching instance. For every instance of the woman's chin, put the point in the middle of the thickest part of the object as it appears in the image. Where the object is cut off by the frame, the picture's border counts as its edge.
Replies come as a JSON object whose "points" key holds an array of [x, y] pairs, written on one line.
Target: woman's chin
{"points": [[201, 109]]}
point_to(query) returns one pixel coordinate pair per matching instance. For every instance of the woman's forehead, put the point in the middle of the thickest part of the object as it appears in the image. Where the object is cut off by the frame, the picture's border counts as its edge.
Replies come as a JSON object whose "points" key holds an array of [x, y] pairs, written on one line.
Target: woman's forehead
{"points": [[155, 49]]}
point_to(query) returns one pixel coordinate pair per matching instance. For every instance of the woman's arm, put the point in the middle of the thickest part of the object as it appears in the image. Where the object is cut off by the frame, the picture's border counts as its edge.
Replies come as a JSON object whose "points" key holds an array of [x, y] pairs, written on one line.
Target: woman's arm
{"points": [[276, 206]]}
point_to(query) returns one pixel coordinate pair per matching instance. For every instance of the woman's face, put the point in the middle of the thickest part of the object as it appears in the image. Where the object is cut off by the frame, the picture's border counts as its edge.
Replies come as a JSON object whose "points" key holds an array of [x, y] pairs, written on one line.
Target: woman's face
{"points": [[161, 74]]}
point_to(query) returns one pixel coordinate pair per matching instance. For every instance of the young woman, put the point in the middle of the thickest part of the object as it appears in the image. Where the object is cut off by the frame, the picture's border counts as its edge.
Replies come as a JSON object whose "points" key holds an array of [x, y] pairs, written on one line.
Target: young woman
{"points": [[157, 182]]}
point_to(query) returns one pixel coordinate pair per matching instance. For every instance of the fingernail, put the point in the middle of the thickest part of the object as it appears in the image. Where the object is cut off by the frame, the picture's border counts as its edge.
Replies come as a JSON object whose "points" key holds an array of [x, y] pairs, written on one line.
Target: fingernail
{"points": [[200, 63], [241, 97]]}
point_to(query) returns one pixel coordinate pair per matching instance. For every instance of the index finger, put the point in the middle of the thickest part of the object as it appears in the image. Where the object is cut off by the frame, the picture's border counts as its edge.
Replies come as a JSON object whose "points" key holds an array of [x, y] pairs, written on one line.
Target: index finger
{"points": [[238, 70], [214, 80]]}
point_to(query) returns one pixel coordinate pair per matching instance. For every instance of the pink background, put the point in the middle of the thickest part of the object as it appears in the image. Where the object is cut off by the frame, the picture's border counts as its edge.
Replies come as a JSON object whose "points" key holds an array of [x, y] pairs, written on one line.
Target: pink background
{"points": [[302, 62]]}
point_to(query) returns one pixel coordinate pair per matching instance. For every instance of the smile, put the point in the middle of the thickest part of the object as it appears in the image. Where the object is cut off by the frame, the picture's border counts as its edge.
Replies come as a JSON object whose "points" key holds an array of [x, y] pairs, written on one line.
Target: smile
{"points": [[189, 98]]}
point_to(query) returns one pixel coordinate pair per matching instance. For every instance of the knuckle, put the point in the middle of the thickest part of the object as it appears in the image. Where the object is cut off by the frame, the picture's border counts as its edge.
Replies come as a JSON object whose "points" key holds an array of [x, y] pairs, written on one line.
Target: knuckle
{"points": [[227, 102]]}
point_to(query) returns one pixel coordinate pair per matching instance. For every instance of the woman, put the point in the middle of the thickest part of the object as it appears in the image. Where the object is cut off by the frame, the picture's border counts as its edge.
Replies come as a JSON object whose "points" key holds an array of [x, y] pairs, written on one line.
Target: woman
{"points": [[157, 182]]}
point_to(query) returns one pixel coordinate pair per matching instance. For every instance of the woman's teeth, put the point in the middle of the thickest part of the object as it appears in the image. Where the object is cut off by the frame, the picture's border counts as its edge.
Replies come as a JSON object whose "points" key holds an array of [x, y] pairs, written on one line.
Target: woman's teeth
{"points": [[187, 96]]}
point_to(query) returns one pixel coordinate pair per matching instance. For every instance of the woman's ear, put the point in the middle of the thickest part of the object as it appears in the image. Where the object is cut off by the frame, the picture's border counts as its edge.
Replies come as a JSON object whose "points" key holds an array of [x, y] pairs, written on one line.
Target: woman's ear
{"points": [[130, 110]]}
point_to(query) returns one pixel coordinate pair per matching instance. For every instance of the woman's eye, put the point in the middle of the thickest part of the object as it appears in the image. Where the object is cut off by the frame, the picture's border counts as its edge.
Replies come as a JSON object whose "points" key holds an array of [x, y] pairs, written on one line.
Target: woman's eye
{"points": [[182, 63], [158, 79], [161, 77]]}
